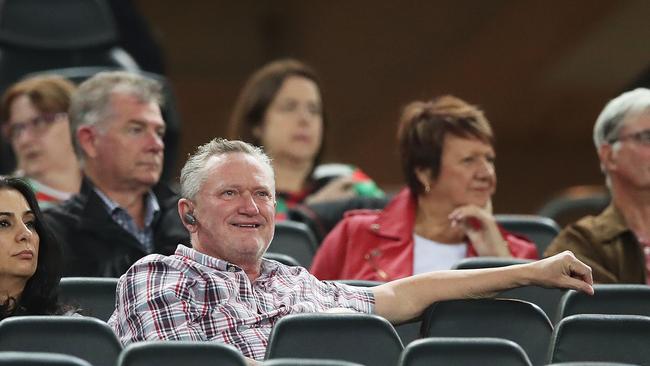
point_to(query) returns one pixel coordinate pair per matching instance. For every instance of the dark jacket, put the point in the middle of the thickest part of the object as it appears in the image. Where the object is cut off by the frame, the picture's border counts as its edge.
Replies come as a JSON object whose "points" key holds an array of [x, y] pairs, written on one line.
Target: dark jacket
{"points": [[94, 245]]}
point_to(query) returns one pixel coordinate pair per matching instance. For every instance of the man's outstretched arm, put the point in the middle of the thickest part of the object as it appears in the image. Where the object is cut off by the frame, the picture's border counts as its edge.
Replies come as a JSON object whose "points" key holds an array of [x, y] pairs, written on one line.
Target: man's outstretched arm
{"points": [[405, 299]]}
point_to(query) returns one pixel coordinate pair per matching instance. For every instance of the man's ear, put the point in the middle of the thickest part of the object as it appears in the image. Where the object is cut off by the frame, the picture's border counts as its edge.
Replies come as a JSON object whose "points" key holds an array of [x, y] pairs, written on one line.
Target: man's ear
{"points": [[607, 153], [87, 139], [186, 207]]}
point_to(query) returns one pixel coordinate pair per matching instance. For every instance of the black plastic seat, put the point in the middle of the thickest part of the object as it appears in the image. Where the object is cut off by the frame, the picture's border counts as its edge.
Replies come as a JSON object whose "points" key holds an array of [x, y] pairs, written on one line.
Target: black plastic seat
{"points": [[409, 331], [308, 362], [539, 229], [463, 352], [519, 321], [294, 239], [87, 338], [38, 35], [173, 353], [621, 299], [363, 338], [39, 359], [95, 296], [546, 298], [590, 364], [603, 338]]}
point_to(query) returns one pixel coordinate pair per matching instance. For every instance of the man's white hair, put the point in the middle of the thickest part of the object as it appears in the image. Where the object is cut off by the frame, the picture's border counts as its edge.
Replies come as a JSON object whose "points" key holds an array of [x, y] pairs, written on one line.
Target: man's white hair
{"points": [[193, 174], [611, 119]]}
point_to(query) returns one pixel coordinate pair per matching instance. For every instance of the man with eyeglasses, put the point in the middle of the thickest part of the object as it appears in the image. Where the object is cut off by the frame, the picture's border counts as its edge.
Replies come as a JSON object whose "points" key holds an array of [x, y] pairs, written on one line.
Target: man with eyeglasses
{"points": [[122, 212], [616, 243]]}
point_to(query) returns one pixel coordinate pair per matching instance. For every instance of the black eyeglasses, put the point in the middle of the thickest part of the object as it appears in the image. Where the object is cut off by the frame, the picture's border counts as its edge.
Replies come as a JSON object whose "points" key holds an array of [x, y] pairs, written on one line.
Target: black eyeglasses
{"points": [[642, 137], [38, 124]]}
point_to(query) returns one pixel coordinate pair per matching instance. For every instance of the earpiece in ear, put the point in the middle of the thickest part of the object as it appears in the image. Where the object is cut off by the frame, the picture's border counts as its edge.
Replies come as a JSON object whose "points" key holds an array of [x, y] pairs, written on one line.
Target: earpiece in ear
{"points": [[190, 219]]}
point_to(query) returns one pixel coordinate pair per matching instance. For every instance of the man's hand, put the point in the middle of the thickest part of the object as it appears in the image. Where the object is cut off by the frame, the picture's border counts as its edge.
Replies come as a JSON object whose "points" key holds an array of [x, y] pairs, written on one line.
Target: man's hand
{"points": [[481, 229], [251, 362], [562, 270]]}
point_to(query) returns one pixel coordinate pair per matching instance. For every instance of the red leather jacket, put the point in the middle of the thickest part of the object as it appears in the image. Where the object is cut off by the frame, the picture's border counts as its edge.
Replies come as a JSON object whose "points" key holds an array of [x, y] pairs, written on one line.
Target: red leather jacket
{"points": [[378, 245]]}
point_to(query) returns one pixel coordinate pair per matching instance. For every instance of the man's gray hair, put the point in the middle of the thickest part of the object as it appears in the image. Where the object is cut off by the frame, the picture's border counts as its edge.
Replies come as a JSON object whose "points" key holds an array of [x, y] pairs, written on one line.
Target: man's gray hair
{"points": [[609, 122], [193, 174], [90, 104]]}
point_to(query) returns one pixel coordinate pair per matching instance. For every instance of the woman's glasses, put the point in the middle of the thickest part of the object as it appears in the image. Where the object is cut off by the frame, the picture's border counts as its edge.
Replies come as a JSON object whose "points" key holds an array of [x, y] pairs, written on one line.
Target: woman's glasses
{"points": [[38, 125]]}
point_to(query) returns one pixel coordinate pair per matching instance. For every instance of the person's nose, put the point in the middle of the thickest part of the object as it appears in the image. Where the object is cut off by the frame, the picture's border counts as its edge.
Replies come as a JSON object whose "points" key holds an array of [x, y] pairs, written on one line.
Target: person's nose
{"points": [[248, 205], [24, 136], [24, 233], [155, 142], [485, 169]]}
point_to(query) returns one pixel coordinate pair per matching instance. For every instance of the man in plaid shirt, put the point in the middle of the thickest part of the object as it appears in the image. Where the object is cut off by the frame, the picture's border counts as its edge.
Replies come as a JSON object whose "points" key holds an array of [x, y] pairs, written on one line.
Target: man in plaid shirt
{"points": [[222, 289]]}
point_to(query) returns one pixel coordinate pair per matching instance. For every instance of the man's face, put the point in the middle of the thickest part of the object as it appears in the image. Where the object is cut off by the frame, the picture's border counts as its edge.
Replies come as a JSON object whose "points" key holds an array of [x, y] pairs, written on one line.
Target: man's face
{"points": [[627, 161], [235, 209], [127, 148]]}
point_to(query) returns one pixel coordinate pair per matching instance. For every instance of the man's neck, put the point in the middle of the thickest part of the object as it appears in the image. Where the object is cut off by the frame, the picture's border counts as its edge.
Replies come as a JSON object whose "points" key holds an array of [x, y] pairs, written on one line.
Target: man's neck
{"points": [[634, 205], [290, 174], [132, 200]]}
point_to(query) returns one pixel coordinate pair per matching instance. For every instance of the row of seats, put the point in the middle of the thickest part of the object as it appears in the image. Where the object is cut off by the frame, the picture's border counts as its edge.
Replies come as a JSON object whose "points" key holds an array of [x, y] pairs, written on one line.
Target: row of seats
{"points": [[295, 239], [359, 338], [96, 296]]}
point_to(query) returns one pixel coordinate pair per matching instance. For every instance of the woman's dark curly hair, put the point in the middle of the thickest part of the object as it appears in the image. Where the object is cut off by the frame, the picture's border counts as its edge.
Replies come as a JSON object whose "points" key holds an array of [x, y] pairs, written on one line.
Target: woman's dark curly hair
{"points": [[40, 295]]}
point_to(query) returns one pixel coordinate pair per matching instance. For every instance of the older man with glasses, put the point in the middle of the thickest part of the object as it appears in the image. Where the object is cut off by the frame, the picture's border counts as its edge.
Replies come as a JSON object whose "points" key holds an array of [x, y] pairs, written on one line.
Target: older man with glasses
{"points": [[616, 243]]}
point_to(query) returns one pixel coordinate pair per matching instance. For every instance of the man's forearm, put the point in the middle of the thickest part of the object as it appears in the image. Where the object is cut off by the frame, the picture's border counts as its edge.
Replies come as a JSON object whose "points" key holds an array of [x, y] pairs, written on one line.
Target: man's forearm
{"points": [[407, 298]]}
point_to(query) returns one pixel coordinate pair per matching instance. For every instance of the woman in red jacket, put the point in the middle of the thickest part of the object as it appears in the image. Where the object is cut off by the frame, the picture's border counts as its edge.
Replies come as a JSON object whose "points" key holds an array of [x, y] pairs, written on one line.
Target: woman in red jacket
{"points": [[442, 216]]}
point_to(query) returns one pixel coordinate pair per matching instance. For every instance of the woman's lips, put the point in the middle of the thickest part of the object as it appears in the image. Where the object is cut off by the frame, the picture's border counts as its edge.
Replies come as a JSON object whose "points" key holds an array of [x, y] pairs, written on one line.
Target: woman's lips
{"points": [[25, 254]]}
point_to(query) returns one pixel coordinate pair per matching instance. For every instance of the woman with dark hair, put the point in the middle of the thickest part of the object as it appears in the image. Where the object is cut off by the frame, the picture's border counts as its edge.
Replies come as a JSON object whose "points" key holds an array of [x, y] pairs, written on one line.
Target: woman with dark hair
{"points": [[34, 120], [30, 257], [281, 109], [444, 214]]}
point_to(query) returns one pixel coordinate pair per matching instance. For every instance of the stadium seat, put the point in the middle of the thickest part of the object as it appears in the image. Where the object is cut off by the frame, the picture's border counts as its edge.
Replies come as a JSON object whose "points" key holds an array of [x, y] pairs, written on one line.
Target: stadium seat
{"points": [[295, 240], [38, 35], [603, 338], [363, 338], [87, 338], [463, 352], [173, 353], [519, 321], [39, 359], [95, 296], [409, 331], [308, 362], [546, 298], [621, 299], [539, 229]]}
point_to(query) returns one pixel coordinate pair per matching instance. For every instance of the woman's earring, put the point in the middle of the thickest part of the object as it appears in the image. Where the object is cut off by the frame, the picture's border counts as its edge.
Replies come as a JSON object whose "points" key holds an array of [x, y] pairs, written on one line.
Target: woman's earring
{"points": [[427, 188]]}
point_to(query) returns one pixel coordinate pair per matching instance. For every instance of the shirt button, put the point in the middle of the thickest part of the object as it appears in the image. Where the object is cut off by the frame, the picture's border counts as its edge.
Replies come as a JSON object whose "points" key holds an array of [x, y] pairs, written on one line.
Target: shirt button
{"points": [[375, 227]]}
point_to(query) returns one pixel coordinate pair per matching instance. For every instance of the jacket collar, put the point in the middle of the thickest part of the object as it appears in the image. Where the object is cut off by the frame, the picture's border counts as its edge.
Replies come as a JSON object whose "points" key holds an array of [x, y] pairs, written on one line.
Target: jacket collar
{"points": [[397, 219], [610, 224]]}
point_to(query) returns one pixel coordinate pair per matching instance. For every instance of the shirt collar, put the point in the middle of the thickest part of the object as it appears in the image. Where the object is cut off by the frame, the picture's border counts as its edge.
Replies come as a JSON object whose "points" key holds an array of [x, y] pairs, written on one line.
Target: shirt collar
{"points": [[268, 267], [151, 205]]}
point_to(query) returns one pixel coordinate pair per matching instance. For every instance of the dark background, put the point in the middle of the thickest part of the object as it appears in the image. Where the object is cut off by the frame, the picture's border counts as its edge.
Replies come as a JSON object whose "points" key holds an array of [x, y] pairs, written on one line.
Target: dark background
{"points": [[541, 70]]}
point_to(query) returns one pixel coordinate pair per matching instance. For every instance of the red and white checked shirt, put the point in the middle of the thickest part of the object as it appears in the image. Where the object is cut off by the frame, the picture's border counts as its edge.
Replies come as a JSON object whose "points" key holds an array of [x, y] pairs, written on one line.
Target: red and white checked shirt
{"points": [[192, 296]]}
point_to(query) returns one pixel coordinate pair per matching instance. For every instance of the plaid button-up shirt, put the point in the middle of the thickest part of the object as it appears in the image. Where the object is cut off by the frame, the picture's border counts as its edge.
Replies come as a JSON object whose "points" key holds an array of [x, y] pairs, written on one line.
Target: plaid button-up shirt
{"points": [[192, 296]]}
